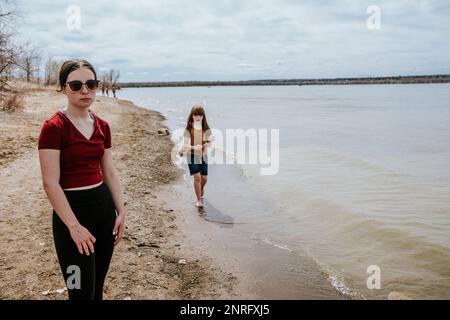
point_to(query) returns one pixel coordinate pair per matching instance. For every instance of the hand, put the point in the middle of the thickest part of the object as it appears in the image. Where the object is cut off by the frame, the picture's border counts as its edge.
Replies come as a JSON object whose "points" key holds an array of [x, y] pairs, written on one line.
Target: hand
{"points": [[198, 147], [119, 227], [82, 238]]}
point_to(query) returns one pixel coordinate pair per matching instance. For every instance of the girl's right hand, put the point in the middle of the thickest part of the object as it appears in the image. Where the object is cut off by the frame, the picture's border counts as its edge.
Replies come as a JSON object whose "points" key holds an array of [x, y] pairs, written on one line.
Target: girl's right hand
{"points": [[83, 239]]}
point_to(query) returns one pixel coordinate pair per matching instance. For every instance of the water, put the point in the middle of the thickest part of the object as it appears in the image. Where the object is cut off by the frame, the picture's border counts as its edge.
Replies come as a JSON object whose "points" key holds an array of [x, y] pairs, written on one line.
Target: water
{"points": [[364, 177]]}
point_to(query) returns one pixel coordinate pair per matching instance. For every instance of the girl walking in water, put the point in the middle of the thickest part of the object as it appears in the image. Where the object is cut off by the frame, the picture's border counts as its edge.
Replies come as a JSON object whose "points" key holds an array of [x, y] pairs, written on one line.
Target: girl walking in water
{"points": [[82, 184], [197, 139]]}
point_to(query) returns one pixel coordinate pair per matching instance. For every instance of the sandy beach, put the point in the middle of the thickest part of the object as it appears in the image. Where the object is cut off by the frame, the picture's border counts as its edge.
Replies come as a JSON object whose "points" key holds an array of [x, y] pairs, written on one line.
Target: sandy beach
{"points": [[154, 259], [327, 171]]}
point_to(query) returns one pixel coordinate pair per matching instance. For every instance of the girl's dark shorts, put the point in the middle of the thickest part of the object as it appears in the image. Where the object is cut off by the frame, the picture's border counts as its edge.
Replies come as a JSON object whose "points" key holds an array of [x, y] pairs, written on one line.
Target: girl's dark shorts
{"points": [[195, 166]]}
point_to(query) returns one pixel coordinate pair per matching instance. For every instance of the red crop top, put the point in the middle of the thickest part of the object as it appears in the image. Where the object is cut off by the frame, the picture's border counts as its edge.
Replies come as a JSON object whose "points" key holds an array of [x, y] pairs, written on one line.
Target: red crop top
{"points": [[80, 157]]}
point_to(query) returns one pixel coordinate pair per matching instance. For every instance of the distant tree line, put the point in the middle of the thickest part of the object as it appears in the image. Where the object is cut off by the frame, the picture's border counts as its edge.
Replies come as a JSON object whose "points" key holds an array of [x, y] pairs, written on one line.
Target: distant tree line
{"points": [[442, 78]]}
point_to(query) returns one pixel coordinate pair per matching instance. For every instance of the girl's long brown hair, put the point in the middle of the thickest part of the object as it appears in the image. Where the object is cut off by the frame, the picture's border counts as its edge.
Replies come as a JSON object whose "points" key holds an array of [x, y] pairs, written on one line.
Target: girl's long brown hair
{"points": [[197, 111]]}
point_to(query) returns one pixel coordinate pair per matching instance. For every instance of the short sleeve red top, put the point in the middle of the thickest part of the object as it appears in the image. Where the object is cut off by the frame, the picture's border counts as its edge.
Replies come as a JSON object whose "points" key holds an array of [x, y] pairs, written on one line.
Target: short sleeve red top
{"points": [[80, 157]]}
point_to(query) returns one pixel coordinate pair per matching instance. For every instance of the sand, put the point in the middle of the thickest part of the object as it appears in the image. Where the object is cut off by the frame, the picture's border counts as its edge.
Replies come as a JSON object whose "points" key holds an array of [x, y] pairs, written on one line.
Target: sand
{"points": [[154, 259]]}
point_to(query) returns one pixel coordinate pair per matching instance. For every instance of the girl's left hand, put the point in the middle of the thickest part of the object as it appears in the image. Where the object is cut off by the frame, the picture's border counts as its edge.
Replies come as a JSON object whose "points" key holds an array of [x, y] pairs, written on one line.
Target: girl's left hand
{"points": [[119, 227]]}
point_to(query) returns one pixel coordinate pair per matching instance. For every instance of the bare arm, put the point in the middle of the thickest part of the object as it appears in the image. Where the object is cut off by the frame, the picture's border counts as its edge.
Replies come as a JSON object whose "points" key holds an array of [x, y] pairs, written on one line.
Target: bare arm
{"points": [[208, 140], [50, 170], [187, 144], [111, 178]]}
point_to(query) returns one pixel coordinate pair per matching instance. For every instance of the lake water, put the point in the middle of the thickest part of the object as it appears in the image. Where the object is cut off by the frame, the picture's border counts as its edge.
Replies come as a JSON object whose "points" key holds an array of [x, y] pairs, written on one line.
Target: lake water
{"points": [[363, 181]]}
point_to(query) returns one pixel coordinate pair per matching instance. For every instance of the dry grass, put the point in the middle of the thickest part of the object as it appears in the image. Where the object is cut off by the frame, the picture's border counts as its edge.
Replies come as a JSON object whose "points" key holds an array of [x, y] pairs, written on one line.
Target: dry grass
{"points": [[12, 101]]}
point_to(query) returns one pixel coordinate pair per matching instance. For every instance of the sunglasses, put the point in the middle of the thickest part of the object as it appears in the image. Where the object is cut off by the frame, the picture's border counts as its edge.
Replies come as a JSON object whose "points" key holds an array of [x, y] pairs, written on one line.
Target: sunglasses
{"points": [[76, 85]]}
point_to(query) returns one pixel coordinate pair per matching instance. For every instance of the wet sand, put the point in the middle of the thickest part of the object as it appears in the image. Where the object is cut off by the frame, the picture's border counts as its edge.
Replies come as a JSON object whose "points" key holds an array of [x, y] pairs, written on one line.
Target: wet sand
{"points": [[262, 269]]}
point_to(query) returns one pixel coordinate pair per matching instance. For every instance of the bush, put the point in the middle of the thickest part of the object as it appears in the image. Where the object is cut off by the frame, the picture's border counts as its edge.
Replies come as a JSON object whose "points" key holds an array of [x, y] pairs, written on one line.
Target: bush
{"points": [[11, 101]]}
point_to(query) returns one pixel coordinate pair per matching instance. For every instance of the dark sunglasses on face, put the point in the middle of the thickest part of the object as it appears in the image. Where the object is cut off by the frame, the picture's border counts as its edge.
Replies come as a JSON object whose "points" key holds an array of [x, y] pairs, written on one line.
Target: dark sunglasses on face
{"points": [[76, 85]]}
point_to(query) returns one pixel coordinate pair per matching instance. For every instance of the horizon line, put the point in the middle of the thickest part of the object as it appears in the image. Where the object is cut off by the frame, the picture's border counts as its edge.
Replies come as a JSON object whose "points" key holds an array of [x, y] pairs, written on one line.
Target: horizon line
{"points": [[438, 75]]}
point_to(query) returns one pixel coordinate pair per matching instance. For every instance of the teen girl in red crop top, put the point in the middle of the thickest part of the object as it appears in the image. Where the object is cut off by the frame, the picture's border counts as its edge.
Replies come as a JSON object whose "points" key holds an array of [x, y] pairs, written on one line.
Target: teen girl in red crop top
{"points": [[82, 184]]}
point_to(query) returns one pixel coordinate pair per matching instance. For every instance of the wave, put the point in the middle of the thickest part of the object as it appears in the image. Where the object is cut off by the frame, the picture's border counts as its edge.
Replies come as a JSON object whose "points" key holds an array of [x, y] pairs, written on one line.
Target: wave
{"points": [[336, 280], [280, 246]]}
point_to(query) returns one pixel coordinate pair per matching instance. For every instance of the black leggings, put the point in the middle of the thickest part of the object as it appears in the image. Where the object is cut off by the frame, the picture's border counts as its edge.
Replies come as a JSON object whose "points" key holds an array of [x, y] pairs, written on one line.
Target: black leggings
{"points": [[95, 210]]}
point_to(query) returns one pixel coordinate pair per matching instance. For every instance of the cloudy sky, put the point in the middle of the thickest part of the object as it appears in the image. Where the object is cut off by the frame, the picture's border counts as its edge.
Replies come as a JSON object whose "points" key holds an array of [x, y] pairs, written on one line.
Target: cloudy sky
{"points": [[243, 39]]}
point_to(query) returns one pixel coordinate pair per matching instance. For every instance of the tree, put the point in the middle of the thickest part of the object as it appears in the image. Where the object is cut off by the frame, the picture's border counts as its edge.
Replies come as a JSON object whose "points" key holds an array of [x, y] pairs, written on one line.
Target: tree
{"points": [[8, 52], [113, 76], [51, 71], [29, 61], [104, 76]]}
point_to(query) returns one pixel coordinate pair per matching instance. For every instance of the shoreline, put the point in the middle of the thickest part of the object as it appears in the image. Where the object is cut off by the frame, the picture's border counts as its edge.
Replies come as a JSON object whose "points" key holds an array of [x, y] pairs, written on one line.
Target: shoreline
{"points": [[151, 262], [264, 270]]}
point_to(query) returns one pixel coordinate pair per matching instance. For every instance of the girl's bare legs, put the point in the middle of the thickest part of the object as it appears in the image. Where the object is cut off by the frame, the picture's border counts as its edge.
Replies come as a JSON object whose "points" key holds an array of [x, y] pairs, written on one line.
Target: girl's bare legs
{"points": [[198, 189], [204, 180]]}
